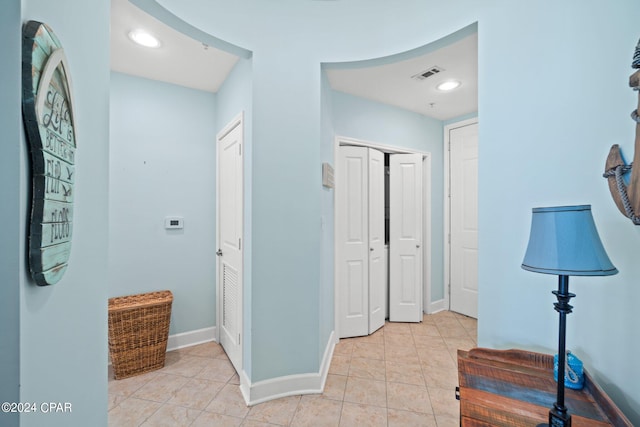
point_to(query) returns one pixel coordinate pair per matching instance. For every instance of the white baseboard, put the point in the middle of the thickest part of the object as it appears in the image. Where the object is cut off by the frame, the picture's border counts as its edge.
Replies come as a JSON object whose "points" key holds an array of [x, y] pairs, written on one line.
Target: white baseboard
{"points": [[245, 386], [187, 339], [289, 385], [437, 306], [270, 389]]}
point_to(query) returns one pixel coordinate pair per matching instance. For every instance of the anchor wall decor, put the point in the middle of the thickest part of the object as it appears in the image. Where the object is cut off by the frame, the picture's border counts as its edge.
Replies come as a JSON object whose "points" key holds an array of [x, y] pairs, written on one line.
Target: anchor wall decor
{"points": [[627, 197]]}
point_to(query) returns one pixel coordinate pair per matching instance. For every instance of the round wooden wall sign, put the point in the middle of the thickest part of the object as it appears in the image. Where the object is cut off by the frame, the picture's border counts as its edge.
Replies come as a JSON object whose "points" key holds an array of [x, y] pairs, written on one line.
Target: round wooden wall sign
{"points": [[47, 110]]}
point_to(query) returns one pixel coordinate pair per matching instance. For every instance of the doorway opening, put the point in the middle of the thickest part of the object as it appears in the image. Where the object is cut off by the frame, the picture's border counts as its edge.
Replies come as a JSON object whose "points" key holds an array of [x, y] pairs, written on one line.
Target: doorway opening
{"points": [[392, 271]]}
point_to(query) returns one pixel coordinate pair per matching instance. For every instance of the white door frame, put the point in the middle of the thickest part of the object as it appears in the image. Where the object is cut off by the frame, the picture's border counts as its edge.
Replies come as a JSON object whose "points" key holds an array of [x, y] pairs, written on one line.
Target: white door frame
{"points": [[426, 217], [234, 123], [447, 206]]}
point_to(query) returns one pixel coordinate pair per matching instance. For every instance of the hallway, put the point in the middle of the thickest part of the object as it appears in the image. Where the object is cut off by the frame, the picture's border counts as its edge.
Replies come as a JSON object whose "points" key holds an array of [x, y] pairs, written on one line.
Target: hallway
{"points": [[402, 375]]}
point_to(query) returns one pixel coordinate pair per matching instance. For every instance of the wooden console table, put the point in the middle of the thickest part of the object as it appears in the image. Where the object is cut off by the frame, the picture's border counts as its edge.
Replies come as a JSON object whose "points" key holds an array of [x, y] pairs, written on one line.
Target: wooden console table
{"points": [[515, 388]]}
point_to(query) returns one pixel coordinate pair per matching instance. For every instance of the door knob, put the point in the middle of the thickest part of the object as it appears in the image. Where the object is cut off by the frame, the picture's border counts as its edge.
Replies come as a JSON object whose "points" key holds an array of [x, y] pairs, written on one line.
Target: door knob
{"points": [[418, 246], [371, 249], [219, 252]]}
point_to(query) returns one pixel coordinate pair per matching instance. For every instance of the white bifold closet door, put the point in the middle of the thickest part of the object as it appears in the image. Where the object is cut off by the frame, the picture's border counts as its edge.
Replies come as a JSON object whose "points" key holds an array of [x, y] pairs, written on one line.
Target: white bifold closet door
{"points": [[405, 238], [360, 231], [377, 260]]}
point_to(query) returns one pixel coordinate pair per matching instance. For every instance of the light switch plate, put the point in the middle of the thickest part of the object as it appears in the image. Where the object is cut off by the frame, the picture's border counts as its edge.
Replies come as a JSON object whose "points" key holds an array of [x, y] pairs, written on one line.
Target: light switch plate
{"points": [[327, 175]]}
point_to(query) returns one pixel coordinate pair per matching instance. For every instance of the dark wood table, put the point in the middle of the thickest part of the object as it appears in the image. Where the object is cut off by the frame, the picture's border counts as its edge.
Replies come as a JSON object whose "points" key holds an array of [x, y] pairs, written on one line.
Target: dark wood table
{"points": [[515, 388]]}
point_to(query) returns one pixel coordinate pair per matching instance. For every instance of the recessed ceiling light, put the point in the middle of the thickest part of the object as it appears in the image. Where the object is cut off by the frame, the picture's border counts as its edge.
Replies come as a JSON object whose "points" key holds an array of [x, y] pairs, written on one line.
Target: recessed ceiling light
{"points": [[448, 85], [143, 38]]}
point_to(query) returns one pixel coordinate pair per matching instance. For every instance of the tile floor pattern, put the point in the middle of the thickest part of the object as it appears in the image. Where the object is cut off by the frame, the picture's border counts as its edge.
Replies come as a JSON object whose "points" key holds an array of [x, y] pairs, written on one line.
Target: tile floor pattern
{"points": [[402, 375]]}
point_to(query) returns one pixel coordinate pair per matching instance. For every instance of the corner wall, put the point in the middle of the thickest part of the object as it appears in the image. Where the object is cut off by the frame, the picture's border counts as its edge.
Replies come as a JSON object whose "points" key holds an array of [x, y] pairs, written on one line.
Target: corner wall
{"points": [[234, 97], [63, 327], [327, 199], [11, 275], [286, 182], [162, 164]]}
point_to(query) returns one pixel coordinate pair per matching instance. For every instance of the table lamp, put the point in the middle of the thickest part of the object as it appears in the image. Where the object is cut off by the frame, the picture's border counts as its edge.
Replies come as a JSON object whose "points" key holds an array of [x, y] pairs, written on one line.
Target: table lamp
{"points": [[564, 241]]}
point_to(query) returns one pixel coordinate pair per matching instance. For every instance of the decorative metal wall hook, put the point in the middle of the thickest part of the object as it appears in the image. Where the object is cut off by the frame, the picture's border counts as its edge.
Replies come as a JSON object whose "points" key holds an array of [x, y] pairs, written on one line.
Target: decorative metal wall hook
{"points": [[627, 197]]}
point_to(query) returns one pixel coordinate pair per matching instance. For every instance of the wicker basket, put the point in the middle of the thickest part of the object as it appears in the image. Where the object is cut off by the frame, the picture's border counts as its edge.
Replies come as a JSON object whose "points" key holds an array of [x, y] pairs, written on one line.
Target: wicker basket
{"points": [[138, 332]]}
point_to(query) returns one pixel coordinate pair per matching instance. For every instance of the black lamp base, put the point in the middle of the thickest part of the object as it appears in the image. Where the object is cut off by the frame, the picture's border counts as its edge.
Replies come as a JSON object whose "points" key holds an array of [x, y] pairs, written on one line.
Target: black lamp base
{"points": [[558, 415], [559, 418]]}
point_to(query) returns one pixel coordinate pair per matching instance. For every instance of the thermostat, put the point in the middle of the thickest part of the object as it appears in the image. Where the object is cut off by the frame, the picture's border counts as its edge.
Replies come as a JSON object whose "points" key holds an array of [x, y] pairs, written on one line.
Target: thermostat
{"points": [[173, 222]]}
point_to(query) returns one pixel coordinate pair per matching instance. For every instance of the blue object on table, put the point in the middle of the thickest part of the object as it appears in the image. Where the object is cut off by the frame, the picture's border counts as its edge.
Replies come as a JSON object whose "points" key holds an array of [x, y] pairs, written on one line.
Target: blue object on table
{"points": [[573, 371]]}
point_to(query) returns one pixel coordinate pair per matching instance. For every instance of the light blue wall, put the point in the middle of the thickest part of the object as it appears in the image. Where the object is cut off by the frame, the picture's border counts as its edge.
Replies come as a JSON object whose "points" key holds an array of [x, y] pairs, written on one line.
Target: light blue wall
{"points": [[233, 97], [286, 216], [63, 328], [326, 295], [543, 142], [11, 275], [163, 164], [547, 121], [285, 204], [359, 118], [162, 153]]}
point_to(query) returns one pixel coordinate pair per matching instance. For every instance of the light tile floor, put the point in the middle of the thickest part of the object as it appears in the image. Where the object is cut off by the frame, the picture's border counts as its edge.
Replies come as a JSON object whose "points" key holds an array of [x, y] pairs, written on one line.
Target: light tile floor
{"points": [[402, 375]]}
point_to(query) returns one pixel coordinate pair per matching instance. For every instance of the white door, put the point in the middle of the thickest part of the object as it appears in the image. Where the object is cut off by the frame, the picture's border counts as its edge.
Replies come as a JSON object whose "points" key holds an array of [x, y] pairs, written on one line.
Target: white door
{"points": [[377, 260], [405, 238], [463, 211], [229, 233], [360, 231], [352, 223]]}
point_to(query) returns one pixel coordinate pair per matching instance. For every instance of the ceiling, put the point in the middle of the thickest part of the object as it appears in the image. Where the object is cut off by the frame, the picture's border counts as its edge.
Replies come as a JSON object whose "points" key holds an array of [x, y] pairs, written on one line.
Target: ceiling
{"points": [[180, 59], [184, 61], [393, 83]]}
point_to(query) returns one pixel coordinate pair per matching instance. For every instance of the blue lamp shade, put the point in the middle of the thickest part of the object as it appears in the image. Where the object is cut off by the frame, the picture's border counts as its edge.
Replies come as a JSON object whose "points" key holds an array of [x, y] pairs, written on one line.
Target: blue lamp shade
{"points": [[564, 241]]}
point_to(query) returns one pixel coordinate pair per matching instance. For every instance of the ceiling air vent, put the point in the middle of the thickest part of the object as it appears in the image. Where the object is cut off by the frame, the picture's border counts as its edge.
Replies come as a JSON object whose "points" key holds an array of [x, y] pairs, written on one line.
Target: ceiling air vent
{"points": [[428, 73]]}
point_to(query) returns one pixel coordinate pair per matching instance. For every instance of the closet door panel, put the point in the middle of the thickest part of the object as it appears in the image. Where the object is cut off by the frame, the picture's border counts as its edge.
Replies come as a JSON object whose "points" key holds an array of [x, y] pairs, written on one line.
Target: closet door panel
{"points": [[377, 261], [352, 225], [405, 240]]}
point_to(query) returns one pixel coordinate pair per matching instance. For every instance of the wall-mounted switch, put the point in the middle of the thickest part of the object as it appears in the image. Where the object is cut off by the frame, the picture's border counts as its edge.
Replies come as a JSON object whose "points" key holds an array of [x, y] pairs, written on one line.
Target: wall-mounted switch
{"points": [[173, 222], [327, 175]]}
